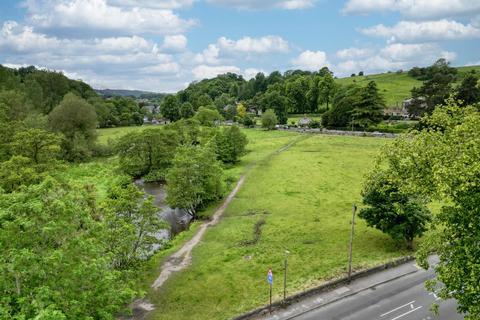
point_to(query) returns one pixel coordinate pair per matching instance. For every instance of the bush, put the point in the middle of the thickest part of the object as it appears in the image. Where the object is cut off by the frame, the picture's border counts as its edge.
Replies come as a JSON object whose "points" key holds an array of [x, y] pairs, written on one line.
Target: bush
{"points": [[249, 121], [269, 120]]}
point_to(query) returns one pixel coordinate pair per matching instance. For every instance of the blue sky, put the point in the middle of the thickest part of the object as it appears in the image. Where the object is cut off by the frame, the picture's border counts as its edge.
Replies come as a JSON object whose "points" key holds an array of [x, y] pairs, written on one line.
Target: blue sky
{"points": [[162, 45]]}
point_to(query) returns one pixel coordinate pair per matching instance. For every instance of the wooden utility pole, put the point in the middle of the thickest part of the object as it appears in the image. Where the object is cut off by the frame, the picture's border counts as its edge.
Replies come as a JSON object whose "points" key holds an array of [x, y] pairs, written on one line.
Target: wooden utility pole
{"points": [[354, 210]]}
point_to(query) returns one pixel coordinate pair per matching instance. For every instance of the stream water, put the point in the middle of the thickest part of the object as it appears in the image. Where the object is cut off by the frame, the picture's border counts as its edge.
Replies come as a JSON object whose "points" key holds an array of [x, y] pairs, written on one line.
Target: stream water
{"points": [[177, 219]]}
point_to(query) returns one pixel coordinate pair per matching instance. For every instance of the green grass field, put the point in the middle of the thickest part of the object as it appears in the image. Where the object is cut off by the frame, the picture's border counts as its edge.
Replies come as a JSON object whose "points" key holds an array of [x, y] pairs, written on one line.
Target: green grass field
{"points": [[396, 87], [306, 192], [104, 135]]}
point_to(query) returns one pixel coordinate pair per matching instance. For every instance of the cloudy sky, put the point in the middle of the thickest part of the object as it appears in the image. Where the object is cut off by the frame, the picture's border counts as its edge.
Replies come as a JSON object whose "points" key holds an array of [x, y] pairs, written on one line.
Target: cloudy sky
{"points": [[162, 45]]}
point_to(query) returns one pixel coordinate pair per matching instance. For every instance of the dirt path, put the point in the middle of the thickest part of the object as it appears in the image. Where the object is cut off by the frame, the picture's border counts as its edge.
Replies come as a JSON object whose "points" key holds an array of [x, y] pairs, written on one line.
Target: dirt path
{"points": [[183, 257]]}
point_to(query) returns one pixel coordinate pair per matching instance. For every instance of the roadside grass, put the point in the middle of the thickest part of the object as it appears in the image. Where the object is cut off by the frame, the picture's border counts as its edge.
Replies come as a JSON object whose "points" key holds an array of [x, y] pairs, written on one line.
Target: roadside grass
{"points": [[304, 196]]}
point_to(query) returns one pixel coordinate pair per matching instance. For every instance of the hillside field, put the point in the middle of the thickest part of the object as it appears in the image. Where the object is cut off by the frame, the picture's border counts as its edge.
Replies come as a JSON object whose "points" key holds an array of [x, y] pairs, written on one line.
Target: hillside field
{"points": [[303, 196], [396, 87]]}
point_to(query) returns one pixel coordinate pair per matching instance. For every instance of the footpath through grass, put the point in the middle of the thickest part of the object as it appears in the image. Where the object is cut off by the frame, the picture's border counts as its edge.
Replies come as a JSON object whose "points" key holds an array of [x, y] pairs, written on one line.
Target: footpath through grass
{"points": [[298, 200]]}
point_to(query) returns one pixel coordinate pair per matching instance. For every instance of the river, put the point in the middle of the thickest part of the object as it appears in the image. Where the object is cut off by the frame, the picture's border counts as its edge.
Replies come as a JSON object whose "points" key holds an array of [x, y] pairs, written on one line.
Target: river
{"points": [[177, 219]]}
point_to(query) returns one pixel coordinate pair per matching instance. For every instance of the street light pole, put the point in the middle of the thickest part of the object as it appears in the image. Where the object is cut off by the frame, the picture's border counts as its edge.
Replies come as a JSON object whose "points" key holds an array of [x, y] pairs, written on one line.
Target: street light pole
{"points": [[354, 210]]}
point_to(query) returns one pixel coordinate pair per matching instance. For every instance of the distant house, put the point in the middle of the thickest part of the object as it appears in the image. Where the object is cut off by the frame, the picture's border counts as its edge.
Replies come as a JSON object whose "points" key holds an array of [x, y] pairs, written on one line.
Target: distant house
{"points": [[397, 112], [304, 122]]}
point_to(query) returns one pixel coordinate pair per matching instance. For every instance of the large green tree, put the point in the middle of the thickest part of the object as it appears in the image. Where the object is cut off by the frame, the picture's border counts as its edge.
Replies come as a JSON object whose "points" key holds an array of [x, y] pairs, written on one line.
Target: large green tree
{"points": [[231, 144], [469, 90], [403, 216], [76, 119], [132, 224], [368, 109], [54, 262], [170, 108], [195, 178], [147, 153], [441, 162]]}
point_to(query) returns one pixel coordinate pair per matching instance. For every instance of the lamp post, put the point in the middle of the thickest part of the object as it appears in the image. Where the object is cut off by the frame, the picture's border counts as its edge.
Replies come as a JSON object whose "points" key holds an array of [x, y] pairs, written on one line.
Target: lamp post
{"points": [[285, 276]]}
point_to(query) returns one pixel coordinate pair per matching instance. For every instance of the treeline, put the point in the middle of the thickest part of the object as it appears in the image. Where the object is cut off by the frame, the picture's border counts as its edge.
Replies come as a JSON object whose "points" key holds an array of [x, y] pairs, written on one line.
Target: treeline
{"points": [[439, 84], [291, 92], [186, 155], [37, 92]]}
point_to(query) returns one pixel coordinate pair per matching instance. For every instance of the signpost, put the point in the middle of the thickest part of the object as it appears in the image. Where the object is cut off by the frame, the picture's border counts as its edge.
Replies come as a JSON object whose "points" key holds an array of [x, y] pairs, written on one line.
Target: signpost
{"points": [[270, 282]]}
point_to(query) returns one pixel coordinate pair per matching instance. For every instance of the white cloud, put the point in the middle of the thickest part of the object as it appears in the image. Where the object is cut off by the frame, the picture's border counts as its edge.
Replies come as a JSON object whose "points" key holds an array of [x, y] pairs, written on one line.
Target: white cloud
{"points": [[265, 4], [250, 73], [310, 60], [168, 67], [415, 8], [176, 42], [353, 52], [267, 44], [205, 72], [394, 57], [424, 31], [155, 4], [208, 55], [100, 16]]}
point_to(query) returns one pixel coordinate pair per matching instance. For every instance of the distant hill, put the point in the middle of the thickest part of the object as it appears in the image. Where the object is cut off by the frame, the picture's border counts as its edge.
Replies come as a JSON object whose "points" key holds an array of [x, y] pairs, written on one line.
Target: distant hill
{"points": [[130, 93], [396, 86]]}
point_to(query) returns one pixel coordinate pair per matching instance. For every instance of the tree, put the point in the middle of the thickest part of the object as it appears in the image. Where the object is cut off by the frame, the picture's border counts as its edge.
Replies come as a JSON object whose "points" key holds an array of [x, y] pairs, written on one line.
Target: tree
{"points": [[469, 90], [274, 100], [241, 111], [208, 116], [132, 223], [147, 153], [344, 101], [327, 88], [296, 93], [269, 119], [441, 162], [170, 108], [398, 214], [186, 110], [18, 171], [194, 179], [54, 262], [231, 143], [76, 119], [368, 109], [38, 145]]}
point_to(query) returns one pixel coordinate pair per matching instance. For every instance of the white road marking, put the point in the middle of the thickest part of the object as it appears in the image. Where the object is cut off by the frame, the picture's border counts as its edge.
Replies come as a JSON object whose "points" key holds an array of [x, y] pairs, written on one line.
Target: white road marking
{"points": [[408, 312], [406, 304], [434, 295]]}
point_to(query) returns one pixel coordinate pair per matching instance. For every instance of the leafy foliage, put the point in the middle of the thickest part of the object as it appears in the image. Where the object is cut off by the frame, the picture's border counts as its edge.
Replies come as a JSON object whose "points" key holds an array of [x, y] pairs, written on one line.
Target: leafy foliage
{"points": [[269, 119], [441, 161], [76, 119], [398, 214], [194, 179], [54, 261], [147, 152], [231, 143]]}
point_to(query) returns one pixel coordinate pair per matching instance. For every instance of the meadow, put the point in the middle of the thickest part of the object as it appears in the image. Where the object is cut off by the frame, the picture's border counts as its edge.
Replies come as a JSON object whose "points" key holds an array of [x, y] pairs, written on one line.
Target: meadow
{"points": [[395, 86], [298, 200]]}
